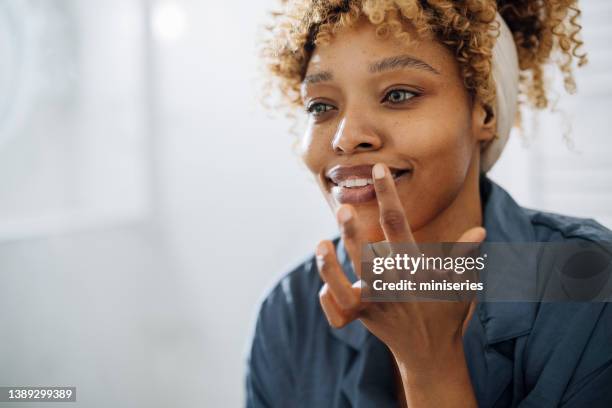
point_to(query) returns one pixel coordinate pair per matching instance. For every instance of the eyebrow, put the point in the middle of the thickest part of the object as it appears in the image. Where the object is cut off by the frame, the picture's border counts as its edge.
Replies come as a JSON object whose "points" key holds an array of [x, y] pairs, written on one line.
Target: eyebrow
{"points": [[401, 61], [318, 77], [386, 64]]}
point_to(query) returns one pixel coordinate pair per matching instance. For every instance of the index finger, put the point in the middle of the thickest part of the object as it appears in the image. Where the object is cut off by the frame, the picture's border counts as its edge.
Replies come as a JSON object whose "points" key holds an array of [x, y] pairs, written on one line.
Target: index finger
{"points": [[331, 273], [392, 216]]}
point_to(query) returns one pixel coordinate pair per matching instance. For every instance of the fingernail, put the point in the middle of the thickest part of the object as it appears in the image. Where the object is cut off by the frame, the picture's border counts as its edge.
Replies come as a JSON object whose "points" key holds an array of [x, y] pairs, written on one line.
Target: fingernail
{"points": [[344, 214], [379, 171], [321, 249]]}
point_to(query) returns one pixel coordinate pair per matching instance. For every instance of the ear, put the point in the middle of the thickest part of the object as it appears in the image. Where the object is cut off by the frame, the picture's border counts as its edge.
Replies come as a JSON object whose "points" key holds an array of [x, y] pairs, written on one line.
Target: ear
{"points": [[484, 122]]}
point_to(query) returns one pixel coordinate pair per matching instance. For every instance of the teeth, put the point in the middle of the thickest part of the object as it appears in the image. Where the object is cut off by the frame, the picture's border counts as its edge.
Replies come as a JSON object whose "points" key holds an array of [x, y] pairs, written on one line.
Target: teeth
{"points": [[350, 183], [362, 182]]}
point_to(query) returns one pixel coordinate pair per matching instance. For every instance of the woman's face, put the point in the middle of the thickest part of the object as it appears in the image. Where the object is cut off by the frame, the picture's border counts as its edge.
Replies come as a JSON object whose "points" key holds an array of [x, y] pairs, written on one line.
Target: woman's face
{"points": [[372, 100]]}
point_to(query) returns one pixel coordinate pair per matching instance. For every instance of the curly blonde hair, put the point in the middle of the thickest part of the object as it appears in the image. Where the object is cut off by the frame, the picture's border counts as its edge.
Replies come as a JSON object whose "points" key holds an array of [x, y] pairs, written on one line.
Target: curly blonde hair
{"points": [[542, 30]]}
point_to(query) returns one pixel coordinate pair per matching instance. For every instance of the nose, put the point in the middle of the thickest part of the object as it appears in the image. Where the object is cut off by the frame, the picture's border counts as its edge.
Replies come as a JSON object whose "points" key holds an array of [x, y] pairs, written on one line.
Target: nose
{"points": [[354, 135]]}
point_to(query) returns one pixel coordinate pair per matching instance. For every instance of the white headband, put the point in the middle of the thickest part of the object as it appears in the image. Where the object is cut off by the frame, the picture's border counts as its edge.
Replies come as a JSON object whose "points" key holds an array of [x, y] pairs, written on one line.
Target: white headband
{"points": [[506, 78]]}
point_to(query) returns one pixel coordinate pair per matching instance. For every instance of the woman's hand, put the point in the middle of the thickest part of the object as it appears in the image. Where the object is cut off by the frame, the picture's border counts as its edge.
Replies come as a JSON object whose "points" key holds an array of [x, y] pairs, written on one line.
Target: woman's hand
{"points": [[425, 337]]}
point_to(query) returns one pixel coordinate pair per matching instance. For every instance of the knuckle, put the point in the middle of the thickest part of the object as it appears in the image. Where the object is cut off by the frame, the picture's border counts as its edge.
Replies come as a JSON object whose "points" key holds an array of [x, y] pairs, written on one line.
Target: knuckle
{"points": [[352, 302], [337, 321], [382, 186], [322, 266], [393, 220], [323, 292], [348, 230], [345, 301]]}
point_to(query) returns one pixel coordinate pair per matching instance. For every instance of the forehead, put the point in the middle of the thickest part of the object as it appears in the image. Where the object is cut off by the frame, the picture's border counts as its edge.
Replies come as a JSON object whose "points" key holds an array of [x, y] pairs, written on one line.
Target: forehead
{"points": [[359, 45]]}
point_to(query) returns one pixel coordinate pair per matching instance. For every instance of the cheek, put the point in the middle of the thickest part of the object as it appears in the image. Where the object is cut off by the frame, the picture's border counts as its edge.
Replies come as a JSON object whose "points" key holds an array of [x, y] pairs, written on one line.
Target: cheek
{"points": [[442, 153], [310, 152], [443, 149], [437, 145], [315, 150], [444, 169], [437, 129]]}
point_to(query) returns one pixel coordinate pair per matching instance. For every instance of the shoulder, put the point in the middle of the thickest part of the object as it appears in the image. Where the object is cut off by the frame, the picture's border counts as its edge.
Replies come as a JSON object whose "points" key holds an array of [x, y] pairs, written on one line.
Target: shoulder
{"points": [[295, 292], [284, 317], [291, 304], [550, 226], [570, 339], [507, 221]]}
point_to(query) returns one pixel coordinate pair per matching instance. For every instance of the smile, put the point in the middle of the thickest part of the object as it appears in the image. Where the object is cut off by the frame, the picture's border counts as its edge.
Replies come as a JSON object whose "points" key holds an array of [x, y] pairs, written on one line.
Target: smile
{"points": [[361, 182], [354, 185]]}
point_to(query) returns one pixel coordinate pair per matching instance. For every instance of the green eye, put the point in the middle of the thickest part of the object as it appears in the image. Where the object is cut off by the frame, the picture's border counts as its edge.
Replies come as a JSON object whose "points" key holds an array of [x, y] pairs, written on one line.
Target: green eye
{"points": [[399, 96], [318, 108]]}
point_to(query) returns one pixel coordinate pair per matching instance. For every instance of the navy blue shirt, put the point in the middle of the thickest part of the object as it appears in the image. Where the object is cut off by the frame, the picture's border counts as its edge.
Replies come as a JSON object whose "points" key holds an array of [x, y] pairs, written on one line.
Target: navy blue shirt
{"points": [[518, 354]]}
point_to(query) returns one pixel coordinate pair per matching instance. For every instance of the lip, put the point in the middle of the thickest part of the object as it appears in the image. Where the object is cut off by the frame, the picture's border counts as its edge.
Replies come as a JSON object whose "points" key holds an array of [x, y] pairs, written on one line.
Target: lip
{"points": [[341, 173], [357, 195]]}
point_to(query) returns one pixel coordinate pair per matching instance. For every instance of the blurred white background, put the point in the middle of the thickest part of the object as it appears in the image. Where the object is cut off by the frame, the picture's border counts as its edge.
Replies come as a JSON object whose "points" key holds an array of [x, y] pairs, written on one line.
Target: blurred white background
{"points": [[147, 200]]}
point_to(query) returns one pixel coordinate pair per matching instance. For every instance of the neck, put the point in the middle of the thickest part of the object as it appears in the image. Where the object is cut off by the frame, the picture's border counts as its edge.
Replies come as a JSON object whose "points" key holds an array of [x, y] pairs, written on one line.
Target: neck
{"points": [[463, 213]]}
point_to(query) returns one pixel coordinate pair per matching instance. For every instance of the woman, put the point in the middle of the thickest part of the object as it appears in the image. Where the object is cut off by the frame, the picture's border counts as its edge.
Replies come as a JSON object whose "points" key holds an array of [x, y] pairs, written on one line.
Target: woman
{"points": [[409, 104]]}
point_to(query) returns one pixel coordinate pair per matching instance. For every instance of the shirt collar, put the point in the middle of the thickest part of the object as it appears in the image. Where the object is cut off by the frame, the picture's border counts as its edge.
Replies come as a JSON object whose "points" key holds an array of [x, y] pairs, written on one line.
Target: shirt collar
{"points": [[505, 221]]}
